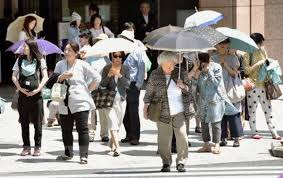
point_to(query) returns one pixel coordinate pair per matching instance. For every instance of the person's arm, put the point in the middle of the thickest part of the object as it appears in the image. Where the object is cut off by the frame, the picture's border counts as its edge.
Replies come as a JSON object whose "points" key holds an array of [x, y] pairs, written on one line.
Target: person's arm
{"points": [[108, 32], [140, 72], [233, 69], [214, 75], [105, 79], [90, 73], [149, 93], [251, 67], [22, 35], [125, 79], [17, 84]]}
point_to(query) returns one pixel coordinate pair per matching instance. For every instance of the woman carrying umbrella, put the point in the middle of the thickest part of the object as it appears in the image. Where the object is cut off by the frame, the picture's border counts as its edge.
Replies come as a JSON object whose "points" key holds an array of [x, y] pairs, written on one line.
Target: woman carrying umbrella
{"points": [[30, 104], [253, 62], [230, 65], [165, 82], [213, 102], [116, 77], [28, 29]]}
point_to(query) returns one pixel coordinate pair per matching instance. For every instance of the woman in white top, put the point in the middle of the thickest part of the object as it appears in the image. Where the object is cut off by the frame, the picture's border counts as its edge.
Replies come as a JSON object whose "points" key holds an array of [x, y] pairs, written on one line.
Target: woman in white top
{"points": [[98, 27], [28, 29], [78, 102]]}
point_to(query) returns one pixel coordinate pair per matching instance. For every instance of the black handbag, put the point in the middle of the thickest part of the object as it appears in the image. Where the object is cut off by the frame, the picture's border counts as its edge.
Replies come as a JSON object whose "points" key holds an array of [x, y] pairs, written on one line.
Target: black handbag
{"points": [[103, 98], [154, 108], [272, 90]]}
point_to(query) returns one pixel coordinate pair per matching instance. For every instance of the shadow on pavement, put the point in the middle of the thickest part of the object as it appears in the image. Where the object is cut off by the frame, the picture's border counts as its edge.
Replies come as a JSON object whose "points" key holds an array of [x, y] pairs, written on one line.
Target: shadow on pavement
{"points": [[7, 154], [43, 160], [10, 146], [140, 153], [76, 152]]}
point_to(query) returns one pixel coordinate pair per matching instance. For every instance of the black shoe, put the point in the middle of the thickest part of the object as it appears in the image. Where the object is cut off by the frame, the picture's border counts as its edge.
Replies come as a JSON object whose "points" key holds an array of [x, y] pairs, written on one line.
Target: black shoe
{"points": [[173, 150], [64, 157], [197, 130], [135, 142], [165, 168], [105, 139], [181, 168], [125, 140], [189, 144], [236, 144], [223, 142]]}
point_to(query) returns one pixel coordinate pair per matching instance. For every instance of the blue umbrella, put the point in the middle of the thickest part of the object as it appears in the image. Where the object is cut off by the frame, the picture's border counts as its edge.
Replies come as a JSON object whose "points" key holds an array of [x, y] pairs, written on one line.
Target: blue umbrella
{"points": [[203, 19], [238, 39], [44, 46]]}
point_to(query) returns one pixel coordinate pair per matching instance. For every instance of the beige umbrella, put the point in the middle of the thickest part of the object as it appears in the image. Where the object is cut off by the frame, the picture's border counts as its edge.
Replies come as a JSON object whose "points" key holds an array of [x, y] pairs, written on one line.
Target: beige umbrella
{"points": [[17, 25]]}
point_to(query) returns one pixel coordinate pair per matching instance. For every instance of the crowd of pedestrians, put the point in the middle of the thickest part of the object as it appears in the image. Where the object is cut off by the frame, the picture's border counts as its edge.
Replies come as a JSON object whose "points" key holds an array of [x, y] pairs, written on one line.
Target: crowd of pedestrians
{"points": [[190, 86]]}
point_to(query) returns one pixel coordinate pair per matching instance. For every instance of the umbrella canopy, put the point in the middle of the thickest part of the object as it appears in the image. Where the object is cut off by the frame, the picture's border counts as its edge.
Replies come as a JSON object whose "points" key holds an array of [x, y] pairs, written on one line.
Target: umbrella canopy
{"points": [[203, 19], [17, 25], [158, 33], [44, 46], [238, 39], [183, 41], [106, 46], [213, 36]]}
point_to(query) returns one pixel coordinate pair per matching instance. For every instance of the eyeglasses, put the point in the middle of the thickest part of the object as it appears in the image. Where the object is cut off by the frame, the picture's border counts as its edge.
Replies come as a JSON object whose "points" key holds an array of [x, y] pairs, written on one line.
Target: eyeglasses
{"points": [[117, 56]]}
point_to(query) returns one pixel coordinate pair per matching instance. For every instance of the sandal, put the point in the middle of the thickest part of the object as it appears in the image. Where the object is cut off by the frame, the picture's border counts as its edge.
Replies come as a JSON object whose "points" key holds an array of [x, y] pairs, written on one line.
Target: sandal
{"points": [[276, 137], [116, 153], [216, 150], [205, 149], [256, 137]]}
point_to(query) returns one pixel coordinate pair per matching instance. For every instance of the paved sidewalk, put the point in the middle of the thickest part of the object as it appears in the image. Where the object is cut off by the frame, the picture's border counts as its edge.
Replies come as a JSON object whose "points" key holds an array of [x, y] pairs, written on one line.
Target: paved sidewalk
{"points": [[252, 159]]}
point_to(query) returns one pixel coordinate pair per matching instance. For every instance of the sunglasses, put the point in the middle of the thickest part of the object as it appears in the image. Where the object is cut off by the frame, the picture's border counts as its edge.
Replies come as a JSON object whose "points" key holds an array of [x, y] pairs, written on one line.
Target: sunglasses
{"points": [[117, 56]]}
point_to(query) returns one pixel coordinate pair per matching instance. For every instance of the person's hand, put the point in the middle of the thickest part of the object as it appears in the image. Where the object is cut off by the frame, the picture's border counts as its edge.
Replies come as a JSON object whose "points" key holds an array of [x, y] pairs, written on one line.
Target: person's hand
{"points": [[34, 92], [66, 75], [24, 91], [82, 54], [145, 108], [259, 63], [222, 60], [111, 72], [205, 67], [196, 65]]}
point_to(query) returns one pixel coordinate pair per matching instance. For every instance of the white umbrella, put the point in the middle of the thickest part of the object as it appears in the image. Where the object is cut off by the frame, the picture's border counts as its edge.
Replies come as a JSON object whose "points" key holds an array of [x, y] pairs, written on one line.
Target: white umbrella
{"points": [[203, 19], [17, 25], [104, 47], [238, 39]]}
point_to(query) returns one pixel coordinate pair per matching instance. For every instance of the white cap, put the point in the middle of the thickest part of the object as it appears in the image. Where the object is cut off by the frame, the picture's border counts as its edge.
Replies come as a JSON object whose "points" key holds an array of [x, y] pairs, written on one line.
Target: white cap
{"points": [[128, 34], [76, 16]]}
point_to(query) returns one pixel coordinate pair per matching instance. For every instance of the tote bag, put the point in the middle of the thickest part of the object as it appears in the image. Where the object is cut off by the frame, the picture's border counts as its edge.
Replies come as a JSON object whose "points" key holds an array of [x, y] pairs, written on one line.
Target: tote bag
{"points": [[237, 92]]}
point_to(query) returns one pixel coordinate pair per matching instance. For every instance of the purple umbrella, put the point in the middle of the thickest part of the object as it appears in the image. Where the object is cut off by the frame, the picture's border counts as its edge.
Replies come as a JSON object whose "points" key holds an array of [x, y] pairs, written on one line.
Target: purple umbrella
{"points": [[44, 46]]}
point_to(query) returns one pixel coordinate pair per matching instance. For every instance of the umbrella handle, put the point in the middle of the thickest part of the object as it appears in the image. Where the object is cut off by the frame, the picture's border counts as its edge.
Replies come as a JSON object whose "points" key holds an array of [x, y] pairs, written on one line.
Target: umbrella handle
{"points": [[179, 59], [196, 8]]}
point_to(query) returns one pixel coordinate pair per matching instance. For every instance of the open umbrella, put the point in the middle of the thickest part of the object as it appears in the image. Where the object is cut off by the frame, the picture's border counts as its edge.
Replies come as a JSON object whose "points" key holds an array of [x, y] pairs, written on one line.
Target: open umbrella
{"points": [[183, 41], [17, 25], [213, 36], [158, 33], [106, 46], [44, 46], [238, 39], [203, 19]]}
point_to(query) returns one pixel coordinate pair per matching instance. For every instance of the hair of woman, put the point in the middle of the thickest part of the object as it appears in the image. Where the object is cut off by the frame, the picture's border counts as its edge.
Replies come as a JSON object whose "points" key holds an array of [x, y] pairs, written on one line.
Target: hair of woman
{"points": [[257, 37], [203, 57], [27, 21], [92, 19]]}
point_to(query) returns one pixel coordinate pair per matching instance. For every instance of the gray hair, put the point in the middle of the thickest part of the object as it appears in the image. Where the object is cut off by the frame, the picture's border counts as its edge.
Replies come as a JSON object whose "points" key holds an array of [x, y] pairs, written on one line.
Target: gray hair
{"points": [[166, 56]]}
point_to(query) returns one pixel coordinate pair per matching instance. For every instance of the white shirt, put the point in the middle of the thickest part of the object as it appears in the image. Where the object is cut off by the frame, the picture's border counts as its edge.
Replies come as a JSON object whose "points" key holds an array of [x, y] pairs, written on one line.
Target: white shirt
{"points": [[175, 99], [145, 18], [79, 98]]}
